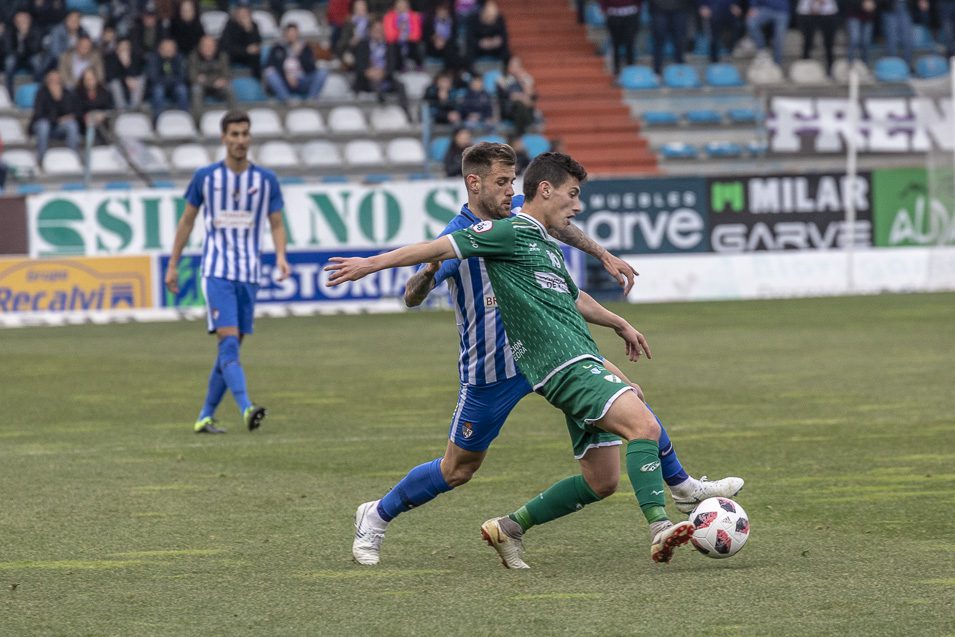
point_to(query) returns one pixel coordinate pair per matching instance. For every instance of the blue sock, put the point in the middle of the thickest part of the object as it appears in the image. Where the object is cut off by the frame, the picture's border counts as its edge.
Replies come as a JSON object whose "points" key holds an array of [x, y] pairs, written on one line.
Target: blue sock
{"points": [[215, 392], [673, 472], [232, 371], [422, 484]]}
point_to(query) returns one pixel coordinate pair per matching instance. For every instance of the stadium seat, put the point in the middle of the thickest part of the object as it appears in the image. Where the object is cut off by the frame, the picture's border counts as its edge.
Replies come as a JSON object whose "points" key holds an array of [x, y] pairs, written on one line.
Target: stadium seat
{"points": [[93, 24], [535, 144], [660, 118], [86, 7], [62, 161], [321, 153], [73, 186], [929, 66], [363, 152], [438, 148], [5, 103], [213, 22], [304, 122], [149, 159], [347, 119], [764, 71], [807, 72], [390, 118], [420, 176], [757, 148], [405, 150], [744, 115], [700, 116], [891, 69], [265, 123], [335, 179], [189, 157], [594, 15], [25, 95], [278, 154], [490, 81], [416, 83], [24, 161], [11, 131], [291, 180], [307, 24], [723, 150], [376, 178], [248, 89], [681, 76], [162, 183], [176, 125], [133, 126], [678, 150], [29, 189], [922, 38], [106, 160], [638, 77], [336, 87], [268, 28], [118, 185], [841, 69], [210, 124], [723, 75], [491, 139]]}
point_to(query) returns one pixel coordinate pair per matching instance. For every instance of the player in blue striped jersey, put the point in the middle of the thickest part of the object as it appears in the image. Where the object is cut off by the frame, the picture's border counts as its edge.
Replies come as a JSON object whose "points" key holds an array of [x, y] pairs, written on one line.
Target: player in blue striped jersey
{"points": [[491, 384], [237, 200]]}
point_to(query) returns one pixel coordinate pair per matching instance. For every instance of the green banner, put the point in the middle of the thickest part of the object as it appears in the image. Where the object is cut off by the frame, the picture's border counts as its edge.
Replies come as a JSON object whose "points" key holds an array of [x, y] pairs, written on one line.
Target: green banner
{"points": [[914, 207]]}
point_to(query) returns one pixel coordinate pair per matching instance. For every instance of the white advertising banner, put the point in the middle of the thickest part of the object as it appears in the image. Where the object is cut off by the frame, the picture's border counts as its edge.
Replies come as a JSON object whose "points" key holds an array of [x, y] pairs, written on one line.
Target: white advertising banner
{"points": [[709, 277]]}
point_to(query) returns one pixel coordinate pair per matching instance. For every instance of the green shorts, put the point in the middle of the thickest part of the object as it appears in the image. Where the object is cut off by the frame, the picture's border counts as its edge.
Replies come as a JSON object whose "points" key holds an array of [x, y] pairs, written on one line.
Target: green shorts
{"points": [[584, 391]]}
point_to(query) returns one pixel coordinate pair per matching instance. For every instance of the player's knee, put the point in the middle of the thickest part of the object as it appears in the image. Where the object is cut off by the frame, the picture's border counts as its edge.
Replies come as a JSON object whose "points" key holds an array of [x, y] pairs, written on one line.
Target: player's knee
{"points": [[460, 474], [229, 350], [604, 487]]}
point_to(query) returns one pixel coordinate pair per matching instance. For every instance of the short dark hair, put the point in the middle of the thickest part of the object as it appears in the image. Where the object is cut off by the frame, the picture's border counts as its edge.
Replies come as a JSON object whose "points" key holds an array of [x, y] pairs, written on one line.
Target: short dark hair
{"points": [[479, 158], [234, 117], [554, 168]]}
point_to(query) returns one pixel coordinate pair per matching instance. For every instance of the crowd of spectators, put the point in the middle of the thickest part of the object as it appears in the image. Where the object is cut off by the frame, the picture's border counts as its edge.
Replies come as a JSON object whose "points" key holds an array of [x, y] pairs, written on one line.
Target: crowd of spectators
{"points": [[674, 26]]}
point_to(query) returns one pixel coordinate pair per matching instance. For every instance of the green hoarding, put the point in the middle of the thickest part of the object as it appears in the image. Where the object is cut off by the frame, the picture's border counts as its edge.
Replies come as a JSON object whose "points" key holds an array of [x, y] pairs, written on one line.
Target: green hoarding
{"points": [[914, 207]]}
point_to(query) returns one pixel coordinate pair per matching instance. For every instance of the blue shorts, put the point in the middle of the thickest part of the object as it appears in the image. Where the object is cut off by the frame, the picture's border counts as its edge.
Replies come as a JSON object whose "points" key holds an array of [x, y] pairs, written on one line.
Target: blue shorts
{"points": [[482, 410], [229, 304]]}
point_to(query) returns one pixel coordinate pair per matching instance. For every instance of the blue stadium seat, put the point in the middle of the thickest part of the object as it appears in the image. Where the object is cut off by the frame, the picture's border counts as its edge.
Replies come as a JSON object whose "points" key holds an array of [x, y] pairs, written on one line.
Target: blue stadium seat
{"points": [[704, 116], [535, 144], [29, 189], [681, 76], [291, 180], [678, 150], [118, 185], [162, 183], [86, 7], [420, 177], [922, 38], [744, 115], [929, 66], [892, 69], [490, 80], [335, 179], [492, 138], [638, 77], [661, 118], [757, 148], [26, 95], [724, 149], [594, 15], [248, 89], [376, 178], [73, 186], [723, 75], [438, 148]]}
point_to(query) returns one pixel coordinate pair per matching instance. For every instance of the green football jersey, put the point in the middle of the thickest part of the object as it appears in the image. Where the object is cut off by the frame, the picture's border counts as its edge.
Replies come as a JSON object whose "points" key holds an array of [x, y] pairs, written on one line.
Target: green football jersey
{"points": [[535, 294]]}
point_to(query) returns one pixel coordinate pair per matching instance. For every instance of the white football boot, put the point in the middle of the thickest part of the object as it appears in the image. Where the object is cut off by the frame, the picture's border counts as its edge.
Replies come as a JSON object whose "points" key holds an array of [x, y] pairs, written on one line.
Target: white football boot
{"points": [[369, 532], [725, 488], [508, 544], [666, 536]]}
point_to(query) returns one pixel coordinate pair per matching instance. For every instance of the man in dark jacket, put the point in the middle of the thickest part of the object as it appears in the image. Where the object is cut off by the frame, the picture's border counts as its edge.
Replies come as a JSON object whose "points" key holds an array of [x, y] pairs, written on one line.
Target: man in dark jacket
{"points": [[722, 19], [897, 23], [668, 19], [623, 22], [166, 75], [374, 70], [242, 41], [23, 47], [291, 68], [209, 75], [54, 115]]}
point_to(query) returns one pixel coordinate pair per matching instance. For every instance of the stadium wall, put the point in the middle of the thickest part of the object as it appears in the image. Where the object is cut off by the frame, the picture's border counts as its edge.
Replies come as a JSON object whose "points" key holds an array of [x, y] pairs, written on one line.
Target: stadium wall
{"points": [[100, 255]]}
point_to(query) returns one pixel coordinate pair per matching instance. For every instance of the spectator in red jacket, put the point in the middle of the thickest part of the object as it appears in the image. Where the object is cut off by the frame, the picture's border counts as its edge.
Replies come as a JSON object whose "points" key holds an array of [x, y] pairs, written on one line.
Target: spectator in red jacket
{"points": [[403, 33]]}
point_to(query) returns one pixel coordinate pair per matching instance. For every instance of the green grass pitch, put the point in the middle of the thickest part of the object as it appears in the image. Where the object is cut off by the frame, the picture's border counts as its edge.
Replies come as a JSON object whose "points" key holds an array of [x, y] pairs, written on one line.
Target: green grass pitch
{"points": [[116, 520]]}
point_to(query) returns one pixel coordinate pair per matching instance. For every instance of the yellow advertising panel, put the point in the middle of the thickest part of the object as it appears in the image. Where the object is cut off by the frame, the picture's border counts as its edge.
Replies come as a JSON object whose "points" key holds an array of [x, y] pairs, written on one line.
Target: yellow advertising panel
{"points": [[71, 285]]}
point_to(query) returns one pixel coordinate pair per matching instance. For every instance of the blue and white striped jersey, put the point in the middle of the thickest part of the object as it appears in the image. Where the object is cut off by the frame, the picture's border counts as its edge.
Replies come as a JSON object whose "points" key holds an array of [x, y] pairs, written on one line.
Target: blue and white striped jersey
{"points": [[485, 353], [234, 209]]}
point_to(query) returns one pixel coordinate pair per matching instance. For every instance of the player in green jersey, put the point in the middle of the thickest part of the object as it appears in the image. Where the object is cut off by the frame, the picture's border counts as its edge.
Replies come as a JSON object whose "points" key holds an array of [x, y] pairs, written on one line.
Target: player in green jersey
{"points": [[544, 314]]}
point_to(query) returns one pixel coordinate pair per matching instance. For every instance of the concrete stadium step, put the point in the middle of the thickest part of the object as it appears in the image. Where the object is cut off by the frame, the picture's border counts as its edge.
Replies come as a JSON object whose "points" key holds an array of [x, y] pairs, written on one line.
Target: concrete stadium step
{"points": [[582, 86], [583, 123], [593, 106], [562, 69], [605, 140]]}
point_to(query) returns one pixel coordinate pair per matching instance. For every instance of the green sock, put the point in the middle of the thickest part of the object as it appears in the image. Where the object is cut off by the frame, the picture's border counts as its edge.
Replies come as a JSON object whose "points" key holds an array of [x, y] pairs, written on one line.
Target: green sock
{"points": [[569, 495], [646, 477]]}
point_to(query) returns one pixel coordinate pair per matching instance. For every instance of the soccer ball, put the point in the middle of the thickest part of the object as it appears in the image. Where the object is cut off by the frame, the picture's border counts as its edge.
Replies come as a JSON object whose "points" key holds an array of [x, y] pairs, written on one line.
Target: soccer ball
{"points": [[722, 527]]}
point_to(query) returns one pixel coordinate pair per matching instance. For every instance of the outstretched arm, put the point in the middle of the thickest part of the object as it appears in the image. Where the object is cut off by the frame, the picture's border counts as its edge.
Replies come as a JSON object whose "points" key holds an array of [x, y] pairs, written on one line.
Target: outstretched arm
{"points": [[620, 270], [420, 284], [351, 269], [593, 312]]}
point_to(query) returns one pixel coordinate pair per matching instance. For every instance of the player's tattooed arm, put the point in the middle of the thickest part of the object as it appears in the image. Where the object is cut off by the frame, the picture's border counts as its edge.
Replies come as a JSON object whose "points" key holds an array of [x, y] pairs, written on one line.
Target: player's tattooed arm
{"points": [[620, 270], [420, 284]]}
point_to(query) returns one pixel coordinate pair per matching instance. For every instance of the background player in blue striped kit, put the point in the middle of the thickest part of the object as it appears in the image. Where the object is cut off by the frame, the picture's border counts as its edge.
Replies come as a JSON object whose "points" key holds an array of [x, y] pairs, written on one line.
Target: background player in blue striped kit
{"points": [[491, 386], [237, 199]]}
